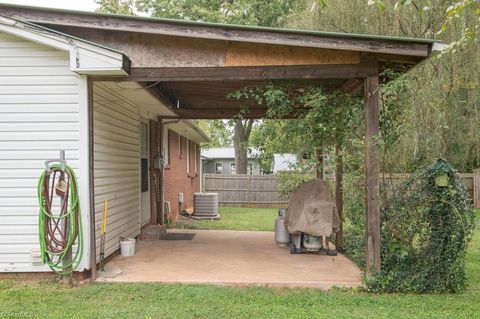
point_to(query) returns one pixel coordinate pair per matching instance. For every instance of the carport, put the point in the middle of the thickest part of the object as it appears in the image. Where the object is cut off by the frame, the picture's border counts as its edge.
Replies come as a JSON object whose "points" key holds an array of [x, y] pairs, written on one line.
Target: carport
{"points": [[190, 68]]}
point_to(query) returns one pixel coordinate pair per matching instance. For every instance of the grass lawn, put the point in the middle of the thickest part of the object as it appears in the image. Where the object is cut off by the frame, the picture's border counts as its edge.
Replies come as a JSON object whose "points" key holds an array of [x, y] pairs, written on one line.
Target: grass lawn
{"points": [[236, 218], [48, 300]]}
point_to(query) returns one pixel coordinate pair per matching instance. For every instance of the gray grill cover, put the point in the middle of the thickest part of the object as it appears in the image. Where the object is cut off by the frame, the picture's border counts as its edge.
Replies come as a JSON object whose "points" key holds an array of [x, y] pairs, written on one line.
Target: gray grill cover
{"points": [[312, 210]]}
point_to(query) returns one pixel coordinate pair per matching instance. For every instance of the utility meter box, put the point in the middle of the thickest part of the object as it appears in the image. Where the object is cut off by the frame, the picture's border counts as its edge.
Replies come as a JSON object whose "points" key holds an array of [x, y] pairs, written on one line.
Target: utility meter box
{"points": [[158, 163], [180, 197]]}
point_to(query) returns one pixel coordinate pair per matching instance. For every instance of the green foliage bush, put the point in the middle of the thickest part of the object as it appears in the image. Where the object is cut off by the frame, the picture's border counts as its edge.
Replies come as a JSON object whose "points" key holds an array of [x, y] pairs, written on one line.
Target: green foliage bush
{"points": [[290, 181], [354, 218], [427, 223]]}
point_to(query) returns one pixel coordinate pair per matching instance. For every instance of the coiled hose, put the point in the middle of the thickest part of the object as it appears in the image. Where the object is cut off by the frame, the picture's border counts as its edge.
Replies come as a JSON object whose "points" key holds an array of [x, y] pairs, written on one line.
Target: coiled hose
{"points": [[59, 220]]}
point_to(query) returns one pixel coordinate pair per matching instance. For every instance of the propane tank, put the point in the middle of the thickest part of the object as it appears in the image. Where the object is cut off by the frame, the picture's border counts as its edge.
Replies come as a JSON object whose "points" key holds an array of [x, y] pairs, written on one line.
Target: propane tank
{"points": [[282, 237], [312, 243]]}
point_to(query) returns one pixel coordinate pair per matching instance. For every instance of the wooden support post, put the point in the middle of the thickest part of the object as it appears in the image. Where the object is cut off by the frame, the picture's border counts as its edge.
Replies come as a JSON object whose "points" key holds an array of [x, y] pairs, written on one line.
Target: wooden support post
{"points": [[476, 188], [161, 187], [372, 174], [339, 196], [154, 153]]}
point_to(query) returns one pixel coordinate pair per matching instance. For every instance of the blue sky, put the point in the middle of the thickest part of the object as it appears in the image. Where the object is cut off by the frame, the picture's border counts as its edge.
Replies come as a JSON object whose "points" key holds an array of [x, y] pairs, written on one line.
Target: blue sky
{"points": [[84, 5]]}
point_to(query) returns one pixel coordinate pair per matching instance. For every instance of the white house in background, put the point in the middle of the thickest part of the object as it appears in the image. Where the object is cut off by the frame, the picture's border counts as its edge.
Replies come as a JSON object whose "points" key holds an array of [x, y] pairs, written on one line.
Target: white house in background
{"points": [[221, 160], [283, 162]]}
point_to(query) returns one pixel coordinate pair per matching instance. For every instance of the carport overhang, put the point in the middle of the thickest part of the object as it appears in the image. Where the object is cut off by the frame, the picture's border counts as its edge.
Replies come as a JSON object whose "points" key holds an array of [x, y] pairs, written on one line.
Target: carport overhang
{"points": [[192, 66]]}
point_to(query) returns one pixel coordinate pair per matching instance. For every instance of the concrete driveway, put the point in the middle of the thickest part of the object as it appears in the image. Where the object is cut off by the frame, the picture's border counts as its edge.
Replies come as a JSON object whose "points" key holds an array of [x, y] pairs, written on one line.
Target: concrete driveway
{"points": [[231, 258]]}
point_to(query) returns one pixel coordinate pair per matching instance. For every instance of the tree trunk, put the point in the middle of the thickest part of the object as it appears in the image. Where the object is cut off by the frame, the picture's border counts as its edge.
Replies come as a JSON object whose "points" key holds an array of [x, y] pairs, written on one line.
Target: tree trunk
{"points": [[242, 130], [319, 169]]}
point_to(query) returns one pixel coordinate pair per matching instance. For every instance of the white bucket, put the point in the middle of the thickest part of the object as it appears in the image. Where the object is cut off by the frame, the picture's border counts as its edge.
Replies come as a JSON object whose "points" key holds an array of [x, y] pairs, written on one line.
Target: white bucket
{"points": [[127, 247]]}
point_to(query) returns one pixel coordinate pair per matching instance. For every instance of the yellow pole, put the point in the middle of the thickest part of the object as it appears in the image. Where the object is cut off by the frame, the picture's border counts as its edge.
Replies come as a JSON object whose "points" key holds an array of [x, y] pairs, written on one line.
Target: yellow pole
{"points": [[104, 231], [104, 217]]}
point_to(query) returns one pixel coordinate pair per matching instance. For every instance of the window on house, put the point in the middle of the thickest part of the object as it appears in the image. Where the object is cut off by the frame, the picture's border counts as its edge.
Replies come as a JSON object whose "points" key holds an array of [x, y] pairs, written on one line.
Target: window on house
{"points": [[143, 139], [195, 158], [232, 168], [192, 156], [169, 150], [166, 146], [144, 175], [188, 156], [218, 168], [249, 168], [180, 146]]}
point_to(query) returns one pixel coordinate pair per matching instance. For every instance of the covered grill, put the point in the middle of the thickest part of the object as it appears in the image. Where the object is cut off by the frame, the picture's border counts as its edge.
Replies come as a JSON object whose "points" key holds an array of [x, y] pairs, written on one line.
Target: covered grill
{"points": [[312, 216]]}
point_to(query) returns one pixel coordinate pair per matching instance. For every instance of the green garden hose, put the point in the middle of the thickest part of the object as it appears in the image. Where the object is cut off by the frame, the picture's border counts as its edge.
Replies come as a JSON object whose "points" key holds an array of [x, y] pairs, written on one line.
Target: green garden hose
{"points": [[59, 219]]}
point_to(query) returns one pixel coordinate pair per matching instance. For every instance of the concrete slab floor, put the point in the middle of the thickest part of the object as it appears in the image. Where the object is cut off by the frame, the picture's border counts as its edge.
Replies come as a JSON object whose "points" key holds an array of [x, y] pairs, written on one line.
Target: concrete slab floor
{"points": [[225, 257]]}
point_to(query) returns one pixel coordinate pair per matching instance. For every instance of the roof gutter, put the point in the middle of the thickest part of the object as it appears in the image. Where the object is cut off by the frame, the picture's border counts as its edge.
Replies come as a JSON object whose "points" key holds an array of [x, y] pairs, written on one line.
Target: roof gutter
{"points": [[199, 131], [86, 58]]}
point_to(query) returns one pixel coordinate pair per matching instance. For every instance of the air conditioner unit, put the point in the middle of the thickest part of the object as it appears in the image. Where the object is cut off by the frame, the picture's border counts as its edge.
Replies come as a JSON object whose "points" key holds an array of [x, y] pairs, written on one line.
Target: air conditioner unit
{"points": [[205, 205]]}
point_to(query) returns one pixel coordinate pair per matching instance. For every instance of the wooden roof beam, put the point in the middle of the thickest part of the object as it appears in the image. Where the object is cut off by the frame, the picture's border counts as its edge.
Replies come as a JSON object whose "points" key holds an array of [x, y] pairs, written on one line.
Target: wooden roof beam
{"points": [[326, 71]]}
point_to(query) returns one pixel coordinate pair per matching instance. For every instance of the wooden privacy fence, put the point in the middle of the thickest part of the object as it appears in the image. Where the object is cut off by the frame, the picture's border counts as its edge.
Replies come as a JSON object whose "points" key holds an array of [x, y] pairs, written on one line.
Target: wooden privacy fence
{"points": [[261, 190], [245, 190], [470, 180]]}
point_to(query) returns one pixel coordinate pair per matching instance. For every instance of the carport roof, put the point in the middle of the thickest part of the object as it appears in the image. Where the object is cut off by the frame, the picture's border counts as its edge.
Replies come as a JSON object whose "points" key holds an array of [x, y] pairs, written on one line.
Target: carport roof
{"points": [[192, 66], [217, 31], [215, 25]]}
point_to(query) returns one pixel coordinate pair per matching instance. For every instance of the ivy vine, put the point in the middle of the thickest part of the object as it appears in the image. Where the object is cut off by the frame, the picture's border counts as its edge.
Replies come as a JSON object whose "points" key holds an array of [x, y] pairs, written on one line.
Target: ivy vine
{"points": [[427, 223]]}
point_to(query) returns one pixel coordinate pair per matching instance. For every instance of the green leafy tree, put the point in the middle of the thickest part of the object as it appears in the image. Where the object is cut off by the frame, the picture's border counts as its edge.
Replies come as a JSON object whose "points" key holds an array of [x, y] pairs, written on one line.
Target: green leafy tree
{"points": [[218, 131], [272, 13], [438, 114], [125, 7]]}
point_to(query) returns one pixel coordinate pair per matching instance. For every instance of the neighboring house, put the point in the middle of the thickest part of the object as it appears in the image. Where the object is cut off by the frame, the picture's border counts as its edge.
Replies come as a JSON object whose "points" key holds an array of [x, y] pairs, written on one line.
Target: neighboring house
{"points": [[283, 162], [221, 160]]}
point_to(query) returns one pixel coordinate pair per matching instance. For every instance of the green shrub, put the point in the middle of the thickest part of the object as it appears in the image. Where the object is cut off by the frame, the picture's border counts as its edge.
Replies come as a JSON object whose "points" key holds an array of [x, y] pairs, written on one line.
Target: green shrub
{"points": [[354, 218], [427, 223], [290, 181]]}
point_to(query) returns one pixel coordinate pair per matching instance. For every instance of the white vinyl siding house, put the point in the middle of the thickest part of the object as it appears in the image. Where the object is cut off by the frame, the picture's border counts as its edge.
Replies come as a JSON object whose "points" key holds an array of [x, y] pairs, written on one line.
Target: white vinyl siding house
{"points": [[40, 99], [43, 109], [47, 104], [116, 166]]}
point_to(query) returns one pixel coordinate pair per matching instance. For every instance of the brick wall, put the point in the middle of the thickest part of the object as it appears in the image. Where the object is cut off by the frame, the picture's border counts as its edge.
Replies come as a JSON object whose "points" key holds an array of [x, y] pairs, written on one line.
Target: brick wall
{"points": [[177, 179]]}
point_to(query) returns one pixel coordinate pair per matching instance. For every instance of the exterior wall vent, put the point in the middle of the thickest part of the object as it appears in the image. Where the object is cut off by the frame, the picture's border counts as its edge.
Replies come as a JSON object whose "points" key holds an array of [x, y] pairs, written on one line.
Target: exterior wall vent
{"points": [[36, 257]]}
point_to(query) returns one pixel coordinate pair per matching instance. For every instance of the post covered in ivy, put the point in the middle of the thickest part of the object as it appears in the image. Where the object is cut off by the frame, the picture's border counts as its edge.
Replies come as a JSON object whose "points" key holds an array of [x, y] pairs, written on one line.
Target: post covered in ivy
{"points": [[372, 173]]}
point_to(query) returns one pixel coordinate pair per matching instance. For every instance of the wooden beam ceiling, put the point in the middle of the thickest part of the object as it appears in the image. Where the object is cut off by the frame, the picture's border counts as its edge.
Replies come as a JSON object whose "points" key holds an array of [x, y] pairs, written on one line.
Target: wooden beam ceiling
{"points": [[208, 99]]}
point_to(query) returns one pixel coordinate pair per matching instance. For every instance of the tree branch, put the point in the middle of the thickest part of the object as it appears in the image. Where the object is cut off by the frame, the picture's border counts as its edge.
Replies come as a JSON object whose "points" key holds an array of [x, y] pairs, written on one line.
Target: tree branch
{"points": [[248, 129]]}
